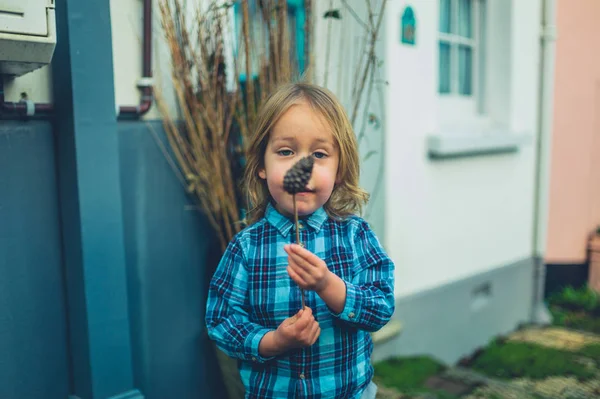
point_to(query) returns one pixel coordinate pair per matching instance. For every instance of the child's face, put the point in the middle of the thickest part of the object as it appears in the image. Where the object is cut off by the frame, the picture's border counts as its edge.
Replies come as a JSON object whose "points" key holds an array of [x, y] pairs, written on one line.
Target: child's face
{"points": [[298, 133]]}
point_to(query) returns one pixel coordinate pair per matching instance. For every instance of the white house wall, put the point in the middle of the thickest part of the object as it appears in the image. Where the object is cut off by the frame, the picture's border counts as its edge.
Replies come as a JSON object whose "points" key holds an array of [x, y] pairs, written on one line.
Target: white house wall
{"points": [[36, 85], [339, 47], [447, 220], [126, 19], [127, 36]]}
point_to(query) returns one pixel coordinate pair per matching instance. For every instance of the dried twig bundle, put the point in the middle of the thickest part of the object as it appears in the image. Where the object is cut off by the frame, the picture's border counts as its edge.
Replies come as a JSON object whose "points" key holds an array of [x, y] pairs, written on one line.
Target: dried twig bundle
{"points": [[217, 108]]}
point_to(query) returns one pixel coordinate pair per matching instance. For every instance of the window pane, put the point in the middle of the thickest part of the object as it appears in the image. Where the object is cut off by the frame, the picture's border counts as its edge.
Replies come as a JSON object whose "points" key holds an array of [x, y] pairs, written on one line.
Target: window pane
{"points": [[444, 77], [445, 16], [465, 18], [465, 70]]}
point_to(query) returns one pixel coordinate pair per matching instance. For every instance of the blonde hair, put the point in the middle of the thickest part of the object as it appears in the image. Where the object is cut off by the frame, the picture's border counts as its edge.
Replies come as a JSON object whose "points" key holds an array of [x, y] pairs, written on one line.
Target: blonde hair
{"points": [[347, 197]]}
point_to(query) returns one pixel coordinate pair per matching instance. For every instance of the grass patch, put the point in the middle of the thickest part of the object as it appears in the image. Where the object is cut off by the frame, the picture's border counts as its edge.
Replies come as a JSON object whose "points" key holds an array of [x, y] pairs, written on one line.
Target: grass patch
{"points": [[407, 374], [576, 308], [520, 359], [576, 320], [577, 299], [591, 351]]}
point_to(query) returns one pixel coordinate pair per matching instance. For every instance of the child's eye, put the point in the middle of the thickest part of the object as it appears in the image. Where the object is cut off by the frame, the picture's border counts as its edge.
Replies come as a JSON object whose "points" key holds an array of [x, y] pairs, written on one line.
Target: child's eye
{"points": [[319, 155], [284, 153]]}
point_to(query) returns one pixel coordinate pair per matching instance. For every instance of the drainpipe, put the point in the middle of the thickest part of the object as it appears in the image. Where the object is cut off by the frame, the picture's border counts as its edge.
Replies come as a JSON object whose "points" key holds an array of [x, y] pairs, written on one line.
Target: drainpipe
{"points": [[26, 109], [23, 109], [145, 83], [540, 313]]}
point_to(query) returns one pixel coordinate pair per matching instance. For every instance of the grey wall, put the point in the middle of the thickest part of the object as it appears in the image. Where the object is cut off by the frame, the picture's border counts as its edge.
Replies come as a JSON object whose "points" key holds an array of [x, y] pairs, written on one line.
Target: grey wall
{"points": [[33, 338], [451, 321], [168, 245]]}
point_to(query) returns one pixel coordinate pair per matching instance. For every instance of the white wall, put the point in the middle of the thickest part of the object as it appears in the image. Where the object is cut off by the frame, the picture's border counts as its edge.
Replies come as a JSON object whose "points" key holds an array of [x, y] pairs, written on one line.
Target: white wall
{"points": [[340, 45], [127, 36], [126, 20], [37, 85], [446, 220]]}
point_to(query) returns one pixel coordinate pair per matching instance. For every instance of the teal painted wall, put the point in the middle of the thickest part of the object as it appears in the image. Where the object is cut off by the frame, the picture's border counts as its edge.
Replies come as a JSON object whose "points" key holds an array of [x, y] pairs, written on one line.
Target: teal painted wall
{"points": [[33, 332], [167, 246]]}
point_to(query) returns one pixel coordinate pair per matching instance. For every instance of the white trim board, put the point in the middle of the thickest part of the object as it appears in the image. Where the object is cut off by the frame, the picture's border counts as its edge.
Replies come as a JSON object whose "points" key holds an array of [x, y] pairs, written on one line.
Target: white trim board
{"points": [[456, 145]]}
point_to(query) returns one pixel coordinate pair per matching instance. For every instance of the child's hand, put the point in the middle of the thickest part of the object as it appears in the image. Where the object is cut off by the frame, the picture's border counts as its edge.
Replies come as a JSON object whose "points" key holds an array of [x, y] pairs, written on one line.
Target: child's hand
{"points": [[308, 270], [297, 331]]}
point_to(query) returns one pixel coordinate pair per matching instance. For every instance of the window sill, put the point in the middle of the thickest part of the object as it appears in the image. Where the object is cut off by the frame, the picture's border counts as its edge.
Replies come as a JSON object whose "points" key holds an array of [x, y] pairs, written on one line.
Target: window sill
{"points": [[448, 146]]}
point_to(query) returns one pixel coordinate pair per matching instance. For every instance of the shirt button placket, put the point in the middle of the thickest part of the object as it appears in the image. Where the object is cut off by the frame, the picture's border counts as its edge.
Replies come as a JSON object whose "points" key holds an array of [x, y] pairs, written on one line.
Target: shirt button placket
{"points": [[301, 386]]}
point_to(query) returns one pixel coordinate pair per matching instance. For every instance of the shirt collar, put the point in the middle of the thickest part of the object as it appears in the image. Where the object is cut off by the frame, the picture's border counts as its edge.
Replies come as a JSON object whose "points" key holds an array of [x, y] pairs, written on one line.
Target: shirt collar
{"points": [[283, 224]]}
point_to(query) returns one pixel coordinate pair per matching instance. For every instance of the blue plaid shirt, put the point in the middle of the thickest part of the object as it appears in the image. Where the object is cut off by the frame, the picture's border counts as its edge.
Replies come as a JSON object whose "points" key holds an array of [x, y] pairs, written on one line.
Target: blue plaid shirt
{"points": [[251, 293]]}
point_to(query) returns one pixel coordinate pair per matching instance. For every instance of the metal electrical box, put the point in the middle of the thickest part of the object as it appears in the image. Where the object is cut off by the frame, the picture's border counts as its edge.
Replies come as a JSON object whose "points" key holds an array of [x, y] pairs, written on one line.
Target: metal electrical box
{"points": [[27, 35]]}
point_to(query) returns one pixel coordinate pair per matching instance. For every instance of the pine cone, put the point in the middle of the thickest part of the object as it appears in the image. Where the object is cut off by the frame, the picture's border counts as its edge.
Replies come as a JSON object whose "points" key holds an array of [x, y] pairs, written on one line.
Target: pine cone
{"points": [[296, 179]]}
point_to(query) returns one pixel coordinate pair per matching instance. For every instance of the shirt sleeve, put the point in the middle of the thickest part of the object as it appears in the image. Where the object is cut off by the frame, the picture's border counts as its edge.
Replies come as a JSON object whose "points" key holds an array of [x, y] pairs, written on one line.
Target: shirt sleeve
{"points": [[370, 295], [227, 307]]}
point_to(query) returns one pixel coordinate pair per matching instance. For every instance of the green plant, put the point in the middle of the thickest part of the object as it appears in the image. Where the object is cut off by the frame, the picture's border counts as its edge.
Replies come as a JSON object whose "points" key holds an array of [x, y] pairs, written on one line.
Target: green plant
{"points": [[591, 351], [576, 320], [576, 299], [407, 373], [520, 359]]}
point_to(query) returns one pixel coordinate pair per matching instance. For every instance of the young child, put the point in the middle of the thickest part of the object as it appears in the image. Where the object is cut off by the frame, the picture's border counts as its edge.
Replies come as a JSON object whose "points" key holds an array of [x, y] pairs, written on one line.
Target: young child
{"points": [[254, 302]]}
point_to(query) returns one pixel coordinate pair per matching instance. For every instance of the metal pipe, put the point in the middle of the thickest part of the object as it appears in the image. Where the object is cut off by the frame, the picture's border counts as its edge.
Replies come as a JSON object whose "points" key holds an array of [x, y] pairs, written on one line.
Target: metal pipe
{"points": [[539, 312], [21, 109], [145, 84]]}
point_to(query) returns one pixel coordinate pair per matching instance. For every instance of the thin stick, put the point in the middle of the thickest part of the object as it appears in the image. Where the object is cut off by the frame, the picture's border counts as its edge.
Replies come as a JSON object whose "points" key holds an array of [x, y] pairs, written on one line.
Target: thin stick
{"points": [[372, 43], [297, 238]]}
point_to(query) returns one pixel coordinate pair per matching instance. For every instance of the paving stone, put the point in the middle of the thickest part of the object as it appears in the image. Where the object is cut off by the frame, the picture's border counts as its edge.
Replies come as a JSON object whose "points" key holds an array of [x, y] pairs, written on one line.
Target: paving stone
{"points": [[555, 337], [450, 385], [562, 387], [388, 393], [489, 386]]}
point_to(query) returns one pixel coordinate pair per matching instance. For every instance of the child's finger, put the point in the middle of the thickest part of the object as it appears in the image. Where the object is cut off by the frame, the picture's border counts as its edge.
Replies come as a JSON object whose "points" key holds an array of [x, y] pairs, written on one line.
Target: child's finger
{"points": [[304, 319], [298, 325], [310, 327], [295, 276], [316, 334], [302, 272], [307, 314], [295, 317], [301, 262], [303, 253]]}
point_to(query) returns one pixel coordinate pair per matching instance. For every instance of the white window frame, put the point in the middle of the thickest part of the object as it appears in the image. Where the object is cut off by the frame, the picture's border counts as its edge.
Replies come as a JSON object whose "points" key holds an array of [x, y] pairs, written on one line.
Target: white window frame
{"points": [[484, 126], [454, 108]]}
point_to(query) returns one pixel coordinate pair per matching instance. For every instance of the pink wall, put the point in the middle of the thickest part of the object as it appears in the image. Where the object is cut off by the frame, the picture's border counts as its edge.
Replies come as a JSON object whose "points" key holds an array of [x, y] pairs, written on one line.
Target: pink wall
{"points": [[575, 169]]}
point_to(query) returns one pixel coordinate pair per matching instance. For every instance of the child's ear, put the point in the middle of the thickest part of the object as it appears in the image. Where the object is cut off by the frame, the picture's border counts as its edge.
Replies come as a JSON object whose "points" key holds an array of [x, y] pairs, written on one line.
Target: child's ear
{"points": [[338, 178], [262, 174]]}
